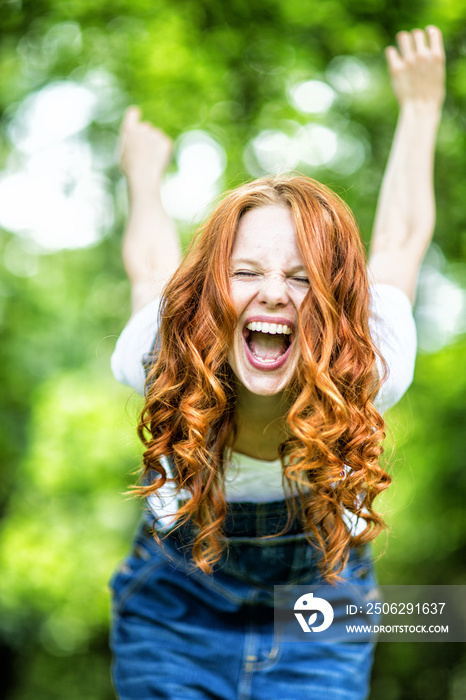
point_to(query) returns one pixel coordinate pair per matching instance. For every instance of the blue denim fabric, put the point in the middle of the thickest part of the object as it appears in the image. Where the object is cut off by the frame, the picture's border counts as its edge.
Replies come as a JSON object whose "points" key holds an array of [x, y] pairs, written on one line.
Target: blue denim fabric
{"points": [[178, 634]]}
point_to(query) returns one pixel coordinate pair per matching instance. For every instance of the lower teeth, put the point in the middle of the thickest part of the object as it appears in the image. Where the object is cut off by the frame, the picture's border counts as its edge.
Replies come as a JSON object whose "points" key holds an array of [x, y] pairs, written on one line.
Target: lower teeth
{"points": [[261, 359]]}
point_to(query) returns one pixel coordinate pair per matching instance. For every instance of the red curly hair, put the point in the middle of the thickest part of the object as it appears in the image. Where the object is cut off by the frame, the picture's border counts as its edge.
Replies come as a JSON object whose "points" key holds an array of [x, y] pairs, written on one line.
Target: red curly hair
{"points": [[189, 413]]}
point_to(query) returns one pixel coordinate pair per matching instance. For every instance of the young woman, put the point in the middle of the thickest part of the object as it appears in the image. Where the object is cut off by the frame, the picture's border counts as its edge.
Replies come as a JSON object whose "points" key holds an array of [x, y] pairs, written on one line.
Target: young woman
{"points": [[269, 360]]}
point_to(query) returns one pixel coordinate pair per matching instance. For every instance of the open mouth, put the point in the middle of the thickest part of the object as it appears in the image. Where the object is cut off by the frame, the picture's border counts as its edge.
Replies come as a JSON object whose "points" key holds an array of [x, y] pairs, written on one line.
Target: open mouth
{"points": [[267, 344]]}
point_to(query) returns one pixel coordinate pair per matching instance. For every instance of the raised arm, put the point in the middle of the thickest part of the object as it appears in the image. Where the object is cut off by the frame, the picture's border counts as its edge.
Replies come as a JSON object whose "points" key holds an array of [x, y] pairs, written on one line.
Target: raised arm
{"points": [[405, 216], [151, 249]]}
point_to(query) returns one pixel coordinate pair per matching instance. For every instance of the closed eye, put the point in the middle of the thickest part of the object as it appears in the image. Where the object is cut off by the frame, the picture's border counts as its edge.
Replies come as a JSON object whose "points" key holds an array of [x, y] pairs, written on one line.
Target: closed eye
{"points": [[301, 280], [244, 273]]}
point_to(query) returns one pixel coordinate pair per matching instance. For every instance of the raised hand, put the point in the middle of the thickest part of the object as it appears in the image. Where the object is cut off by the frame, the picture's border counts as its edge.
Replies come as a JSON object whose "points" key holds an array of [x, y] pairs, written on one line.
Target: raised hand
{"points": [[145, 153], [405, 216], [417, 67], [151, 250]]}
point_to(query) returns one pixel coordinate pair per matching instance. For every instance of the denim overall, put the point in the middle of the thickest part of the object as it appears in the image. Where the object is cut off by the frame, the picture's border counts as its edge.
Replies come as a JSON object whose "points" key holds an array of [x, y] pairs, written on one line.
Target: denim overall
{"points": [[180, 634]]}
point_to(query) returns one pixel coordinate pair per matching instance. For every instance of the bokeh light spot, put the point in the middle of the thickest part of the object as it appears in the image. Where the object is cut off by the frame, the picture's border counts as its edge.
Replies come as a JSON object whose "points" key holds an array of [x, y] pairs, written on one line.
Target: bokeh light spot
{"points": [[348, 75], [188, 193], [317, 144], [271, 152], [51, 115], [312, 97]]}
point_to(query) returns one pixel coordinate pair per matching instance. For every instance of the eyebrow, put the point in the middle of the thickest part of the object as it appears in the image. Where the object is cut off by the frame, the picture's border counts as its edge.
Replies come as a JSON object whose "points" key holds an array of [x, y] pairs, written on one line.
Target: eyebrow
{"points": [[244, 261], [257, 264]]}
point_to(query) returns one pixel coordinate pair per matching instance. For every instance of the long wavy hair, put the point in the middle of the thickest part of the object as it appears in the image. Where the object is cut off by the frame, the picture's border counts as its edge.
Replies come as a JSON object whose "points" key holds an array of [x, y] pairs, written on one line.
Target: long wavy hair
{"points": [[330, 458]]}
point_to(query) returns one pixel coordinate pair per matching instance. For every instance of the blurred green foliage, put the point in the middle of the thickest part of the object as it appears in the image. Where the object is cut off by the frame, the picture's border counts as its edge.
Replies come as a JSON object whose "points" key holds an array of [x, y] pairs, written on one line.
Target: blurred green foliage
{"points": [[66, 429]]}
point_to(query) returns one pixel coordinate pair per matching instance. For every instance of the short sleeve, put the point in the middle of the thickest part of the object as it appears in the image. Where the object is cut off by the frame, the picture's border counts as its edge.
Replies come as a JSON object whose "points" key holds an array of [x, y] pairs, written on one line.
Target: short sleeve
{"points": [[393, 331], [133, 345]]}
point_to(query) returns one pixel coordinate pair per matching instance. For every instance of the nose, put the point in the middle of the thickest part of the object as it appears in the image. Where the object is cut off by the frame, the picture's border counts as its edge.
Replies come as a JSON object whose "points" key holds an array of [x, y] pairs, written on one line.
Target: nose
{"points": [[273, 291]]}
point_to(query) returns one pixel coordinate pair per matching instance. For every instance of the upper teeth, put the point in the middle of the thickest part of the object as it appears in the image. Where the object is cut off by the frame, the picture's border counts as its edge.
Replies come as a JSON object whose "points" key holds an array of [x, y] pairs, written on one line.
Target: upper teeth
{"points": [[264, 327]]}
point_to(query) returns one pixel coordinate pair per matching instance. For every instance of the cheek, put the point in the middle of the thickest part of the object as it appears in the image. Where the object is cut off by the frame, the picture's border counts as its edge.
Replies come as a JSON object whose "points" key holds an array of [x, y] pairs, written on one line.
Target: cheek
{"points": [[240, 296], [231, 359], [299, 296]]}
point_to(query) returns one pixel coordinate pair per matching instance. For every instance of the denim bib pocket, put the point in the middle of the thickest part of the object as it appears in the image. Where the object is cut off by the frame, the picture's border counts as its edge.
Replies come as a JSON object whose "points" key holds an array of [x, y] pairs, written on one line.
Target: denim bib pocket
{"points": [[268, 562]]}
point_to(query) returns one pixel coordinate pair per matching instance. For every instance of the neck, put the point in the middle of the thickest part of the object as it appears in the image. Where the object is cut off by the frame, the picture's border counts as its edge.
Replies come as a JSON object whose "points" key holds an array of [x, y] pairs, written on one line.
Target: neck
{"points": [[260, 409], [261, 424]]}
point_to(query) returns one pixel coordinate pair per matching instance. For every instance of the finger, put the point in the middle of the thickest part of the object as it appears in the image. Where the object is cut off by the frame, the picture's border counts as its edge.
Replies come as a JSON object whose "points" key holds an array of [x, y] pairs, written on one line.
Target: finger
{"points": [[435, 40], [132, 116], [130, 119], [419, 39], [394, 60], [405, 42]]}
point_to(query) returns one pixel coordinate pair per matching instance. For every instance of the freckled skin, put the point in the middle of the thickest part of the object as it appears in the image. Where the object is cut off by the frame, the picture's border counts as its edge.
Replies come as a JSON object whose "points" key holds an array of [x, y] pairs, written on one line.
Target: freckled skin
{"points": [[267, 279]]}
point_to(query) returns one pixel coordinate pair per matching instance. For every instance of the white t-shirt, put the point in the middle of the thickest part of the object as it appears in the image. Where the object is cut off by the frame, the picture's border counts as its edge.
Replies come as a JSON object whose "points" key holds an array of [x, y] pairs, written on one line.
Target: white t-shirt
{"points": [[392, 330]]}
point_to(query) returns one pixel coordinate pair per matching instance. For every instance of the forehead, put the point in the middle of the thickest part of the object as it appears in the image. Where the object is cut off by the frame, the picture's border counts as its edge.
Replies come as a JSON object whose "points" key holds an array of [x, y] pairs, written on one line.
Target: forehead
{"points": [[265, 232]]}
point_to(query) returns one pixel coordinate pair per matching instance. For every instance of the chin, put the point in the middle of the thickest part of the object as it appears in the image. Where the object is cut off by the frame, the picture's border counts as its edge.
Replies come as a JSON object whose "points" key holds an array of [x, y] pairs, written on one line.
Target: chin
{"points": [[264, 391], [261, 385]]}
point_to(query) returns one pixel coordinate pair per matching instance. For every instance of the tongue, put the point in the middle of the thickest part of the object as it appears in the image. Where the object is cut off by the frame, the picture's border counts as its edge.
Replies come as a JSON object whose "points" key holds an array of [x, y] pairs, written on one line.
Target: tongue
{"points": [[266, 346]]}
